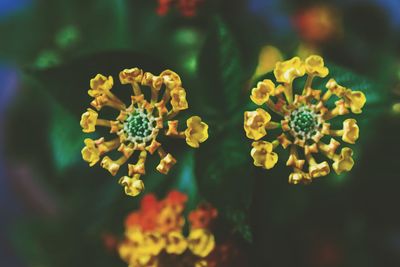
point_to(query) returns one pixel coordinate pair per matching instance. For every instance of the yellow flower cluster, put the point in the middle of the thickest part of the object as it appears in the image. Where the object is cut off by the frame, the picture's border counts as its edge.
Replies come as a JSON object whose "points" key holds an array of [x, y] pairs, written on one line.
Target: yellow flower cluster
{"points": [[304, 123], [138, 125], [154, 235]]}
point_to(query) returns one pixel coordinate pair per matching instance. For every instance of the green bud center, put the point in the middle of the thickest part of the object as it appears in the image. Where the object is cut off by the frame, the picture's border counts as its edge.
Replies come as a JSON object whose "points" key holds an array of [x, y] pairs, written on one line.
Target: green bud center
{"points": [[304, 122], [139, 126]]}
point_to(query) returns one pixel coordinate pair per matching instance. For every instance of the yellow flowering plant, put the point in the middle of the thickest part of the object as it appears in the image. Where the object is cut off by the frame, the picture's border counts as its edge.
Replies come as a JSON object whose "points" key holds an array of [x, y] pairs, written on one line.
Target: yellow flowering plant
{"points": [[154, 233], [305, 126], [138, 126]]}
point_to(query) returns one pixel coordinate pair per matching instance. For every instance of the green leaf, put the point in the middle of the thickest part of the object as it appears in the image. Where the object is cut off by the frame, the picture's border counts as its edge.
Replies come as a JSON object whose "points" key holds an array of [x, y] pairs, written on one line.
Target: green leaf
{"points": [[224, 174], [241, 224], [185, 176], [66, 138], [223, 168], [220, 70]]}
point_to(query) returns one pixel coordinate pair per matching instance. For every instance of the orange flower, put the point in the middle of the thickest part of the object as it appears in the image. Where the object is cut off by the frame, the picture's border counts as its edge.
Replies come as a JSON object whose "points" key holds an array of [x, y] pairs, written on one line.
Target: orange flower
{"points": [[149, 202], [133, 219], [168, 220], [176, 200], [202, 216], [154, 234], [146, 217], [150, 208]]}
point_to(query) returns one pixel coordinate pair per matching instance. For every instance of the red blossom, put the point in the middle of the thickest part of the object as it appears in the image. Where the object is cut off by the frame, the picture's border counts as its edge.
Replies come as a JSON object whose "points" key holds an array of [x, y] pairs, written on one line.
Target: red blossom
{"points": [[202, 216], [176, 198], [161, 215], [146, 217], [318, 24], [149, 201], [187, 8], [163, 7], [132, 219]]}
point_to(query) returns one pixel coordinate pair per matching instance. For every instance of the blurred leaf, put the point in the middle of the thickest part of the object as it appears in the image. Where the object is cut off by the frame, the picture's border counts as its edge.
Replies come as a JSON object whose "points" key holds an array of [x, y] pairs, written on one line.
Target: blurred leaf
{"points": [[240, 221], [66, 138], [24, 238], [78, 28], [224, 175], [223, 163], [221, 70], [185, 178]]}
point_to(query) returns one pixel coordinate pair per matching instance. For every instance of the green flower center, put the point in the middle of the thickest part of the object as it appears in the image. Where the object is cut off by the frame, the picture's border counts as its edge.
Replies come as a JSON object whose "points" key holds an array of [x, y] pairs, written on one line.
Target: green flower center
{"points": [[304, 123], [139, 126]]}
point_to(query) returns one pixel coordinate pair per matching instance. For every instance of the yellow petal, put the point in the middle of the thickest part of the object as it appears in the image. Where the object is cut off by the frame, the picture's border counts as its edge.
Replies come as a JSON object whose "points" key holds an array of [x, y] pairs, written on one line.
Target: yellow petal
{"points": [[262, 92], [315, 66], [178, 99], [135, 235], [88, 121], [287, 71], [335, 88], [90, 153], [125, 251], [170, 219], [197, 131], [356, 101], [344, 162], [133, 186], [131, 75], [262, 154], [110, 165], [153, 244], [201, 263], [320, 169], [270, 160], [255, 123], [201, 242], [99, 102], [175, 243], [100, 85], [299, 177], [350, 131], [171, 79]]}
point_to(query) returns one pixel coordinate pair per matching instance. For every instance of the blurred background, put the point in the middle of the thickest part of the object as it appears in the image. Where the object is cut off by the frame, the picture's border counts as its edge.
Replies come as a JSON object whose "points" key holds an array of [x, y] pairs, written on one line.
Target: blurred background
{"points": [[56, 211]]}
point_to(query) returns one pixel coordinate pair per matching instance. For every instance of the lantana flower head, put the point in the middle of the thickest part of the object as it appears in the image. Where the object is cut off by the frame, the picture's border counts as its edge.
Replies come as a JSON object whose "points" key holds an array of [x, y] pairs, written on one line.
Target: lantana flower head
{"points": [[137, 127], [305, 121], [154, 234]]}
